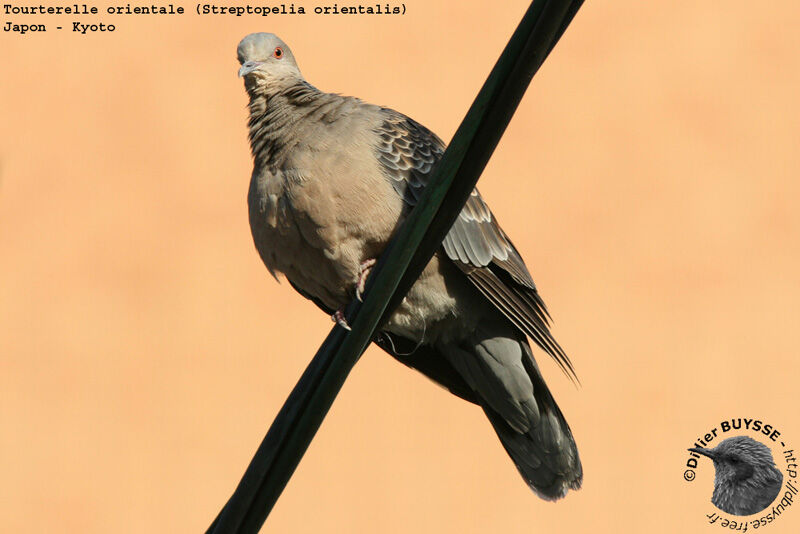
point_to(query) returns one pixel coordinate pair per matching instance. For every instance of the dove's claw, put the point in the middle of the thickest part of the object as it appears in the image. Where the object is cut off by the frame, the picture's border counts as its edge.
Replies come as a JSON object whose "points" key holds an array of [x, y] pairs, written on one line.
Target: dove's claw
{"points": [[339, 319], [363, 272]]}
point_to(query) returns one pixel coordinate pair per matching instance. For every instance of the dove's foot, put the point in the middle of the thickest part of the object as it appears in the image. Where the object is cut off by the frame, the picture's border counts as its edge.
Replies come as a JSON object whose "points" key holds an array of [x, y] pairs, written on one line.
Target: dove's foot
{"points": [[339, 319], [363, 272]]}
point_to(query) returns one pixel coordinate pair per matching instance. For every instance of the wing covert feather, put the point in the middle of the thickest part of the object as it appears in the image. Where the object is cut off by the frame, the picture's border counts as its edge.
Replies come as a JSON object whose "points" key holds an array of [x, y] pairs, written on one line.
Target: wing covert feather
{"points": [[476, 243]]}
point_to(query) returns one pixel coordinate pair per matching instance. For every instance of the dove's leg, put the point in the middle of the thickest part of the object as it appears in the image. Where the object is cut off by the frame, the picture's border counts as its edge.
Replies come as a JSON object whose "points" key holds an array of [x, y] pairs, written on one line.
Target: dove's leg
{"points": [[363, 272], [339, 318]]}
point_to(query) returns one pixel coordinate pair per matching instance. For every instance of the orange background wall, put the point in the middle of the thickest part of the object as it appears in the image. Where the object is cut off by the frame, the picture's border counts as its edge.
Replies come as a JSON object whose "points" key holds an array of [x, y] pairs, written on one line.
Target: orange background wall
{"points": [[650, 179]]}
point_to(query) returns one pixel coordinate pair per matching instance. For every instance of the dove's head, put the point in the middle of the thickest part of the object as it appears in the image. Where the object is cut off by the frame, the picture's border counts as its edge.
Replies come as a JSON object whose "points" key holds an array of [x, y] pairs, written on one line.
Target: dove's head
{"points": [[739, 459], [266, 62]]}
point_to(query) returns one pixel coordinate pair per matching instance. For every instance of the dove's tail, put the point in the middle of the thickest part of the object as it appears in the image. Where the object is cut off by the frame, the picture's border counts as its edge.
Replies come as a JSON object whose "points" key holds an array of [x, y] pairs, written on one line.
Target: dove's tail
{"points": [[495, 369], [499, 367], [545, 455]]}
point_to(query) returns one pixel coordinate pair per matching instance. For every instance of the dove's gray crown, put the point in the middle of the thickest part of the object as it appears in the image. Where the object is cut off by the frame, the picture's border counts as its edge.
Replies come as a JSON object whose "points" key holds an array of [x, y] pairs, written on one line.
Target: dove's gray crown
{"points": [[260, 46], [333, 179]]}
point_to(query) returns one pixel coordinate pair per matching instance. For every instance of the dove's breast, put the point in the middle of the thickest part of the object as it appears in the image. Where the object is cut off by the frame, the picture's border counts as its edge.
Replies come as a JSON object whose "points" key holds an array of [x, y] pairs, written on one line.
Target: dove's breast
{"points": [[325, 208], [321, 213]]}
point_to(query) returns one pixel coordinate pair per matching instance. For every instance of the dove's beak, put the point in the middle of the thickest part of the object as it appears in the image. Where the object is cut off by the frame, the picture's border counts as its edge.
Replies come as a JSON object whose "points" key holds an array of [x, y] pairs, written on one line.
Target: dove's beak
{"points": [[248, 67], [704, 452]]}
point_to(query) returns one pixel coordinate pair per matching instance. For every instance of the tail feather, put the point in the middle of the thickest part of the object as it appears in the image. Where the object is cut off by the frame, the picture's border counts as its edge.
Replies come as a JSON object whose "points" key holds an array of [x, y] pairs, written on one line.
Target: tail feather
{"points": [[546, 455], [497, 371], [497, 363]]}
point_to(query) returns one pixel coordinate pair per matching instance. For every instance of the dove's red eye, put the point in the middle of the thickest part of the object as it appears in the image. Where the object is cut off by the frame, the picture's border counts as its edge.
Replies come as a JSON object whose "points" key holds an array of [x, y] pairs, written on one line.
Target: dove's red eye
{"points": [[278, 53]]}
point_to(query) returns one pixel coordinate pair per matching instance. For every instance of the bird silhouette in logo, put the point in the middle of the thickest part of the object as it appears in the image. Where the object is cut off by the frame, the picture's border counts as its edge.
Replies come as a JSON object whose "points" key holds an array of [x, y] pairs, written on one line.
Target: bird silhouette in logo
{"points": [[746, 479]]}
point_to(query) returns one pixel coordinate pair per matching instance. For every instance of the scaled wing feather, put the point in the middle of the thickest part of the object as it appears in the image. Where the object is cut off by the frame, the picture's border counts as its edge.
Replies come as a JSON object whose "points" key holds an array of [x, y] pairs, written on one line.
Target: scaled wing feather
{"points": [[476, 244]]}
